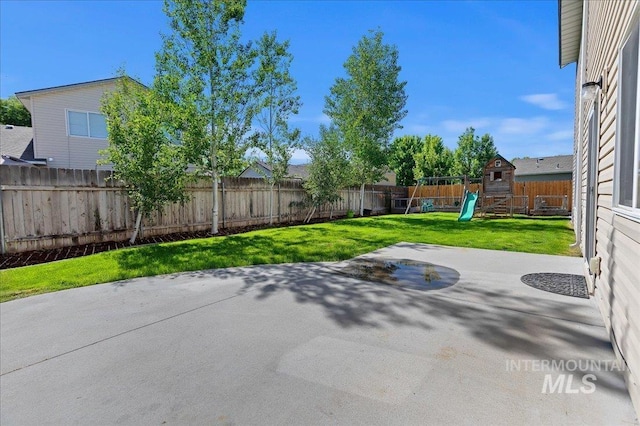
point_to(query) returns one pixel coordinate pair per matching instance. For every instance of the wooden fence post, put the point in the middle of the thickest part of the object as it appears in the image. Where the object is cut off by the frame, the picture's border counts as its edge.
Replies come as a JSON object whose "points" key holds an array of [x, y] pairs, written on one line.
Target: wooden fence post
{"points": [[279, 209], [3, 243]]}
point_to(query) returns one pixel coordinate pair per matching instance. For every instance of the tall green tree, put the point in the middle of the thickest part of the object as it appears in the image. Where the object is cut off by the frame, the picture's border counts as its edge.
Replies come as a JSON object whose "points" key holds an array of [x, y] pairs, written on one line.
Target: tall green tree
{"points": [[13, 112], [205, 69], [402, 152], [434, 159], [486, 150], [277, 102], [367, 106], [472, 153], [329, 168], [142, 148]]}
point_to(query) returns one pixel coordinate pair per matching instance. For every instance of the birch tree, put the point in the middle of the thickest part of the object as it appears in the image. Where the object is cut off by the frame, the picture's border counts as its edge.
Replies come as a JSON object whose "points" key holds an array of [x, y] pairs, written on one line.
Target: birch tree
{"points": [[204, 68], [277, 102], [367, 106], [142, 148], [329, 168]]}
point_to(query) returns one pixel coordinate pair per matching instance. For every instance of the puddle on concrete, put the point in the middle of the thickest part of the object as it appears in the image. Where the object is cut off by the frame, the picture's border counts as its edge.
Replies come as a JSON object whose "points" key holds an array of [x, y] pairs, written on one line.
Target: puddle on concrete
{"points": [[402, 273]]}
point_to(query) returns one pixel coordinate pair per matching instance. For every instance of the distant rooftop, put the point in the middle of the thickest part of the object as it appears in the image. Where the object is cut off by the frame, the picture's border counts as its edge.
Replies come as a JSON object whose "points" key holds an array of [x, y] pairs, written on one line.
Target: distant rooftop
{"points": [[294, 171], [65, 87], [543, 165], [16, 141], [27, 93]]}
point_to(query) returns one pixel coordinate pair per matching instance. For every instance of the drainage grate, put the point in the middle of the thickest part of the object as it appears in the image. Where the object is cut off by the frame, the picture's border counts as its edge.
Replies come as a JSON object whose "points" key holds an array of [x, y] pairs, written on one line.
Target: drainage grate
{"points": [[565, 284]]}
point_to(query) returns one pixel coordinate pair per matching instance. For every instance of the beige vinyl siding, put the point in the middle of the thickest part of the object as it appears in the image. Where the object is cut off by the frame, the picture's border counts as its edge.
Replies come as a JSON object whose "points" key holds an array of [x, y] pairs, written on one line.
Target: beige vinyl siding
{"points": [[617, 288], [51, 135]]}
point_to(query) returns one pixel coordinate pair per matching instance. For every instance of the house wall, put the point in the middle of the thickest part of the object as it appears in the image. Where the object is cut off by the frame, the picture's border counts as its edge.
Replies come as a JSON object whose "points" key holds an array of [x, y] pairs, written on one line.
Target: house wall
{"points": [[51, 139], [617, 287], [255, 171], [250, 173], [548, 177]]}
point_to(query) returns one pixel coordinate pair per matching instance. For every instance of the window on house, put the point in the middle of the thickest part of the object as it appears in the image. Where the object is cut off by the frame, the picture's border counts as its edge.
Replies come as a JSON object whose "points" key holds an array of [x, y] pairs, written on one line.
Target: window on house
{"points": [[498, 163], [87, 124], [627, 182], [497, 175]]}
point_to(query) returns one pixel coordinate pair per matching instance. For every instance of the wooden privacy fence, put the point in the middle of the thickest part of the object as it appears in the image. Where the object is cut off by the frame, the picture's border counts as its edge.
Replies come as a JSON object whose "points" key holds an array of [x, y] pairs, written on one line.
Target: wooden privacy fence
{"points": [[48, 208], [530, 189]]}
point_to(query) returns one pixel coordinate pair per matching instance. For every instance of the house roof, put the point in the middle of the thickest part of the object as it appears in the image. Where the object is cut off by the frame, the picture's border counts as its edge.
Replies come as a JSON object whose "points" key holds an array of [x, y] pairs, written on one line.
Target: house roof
{"points": [[8, 160], [16, 141], [25, 95], [301, 171], [295, 171], [501, 158], [544, 165], [298, 171], [569, 30]]}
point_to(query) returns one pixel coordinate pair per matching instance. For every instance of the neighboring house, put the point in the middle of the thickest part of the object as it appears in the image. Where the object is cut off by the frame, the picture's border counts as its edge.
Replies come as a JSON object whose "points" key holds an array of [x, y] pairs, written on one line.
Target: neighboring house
{"points": [[603, 38], [262, 170], [544, 169], [389, 179], [16, 146], [68, 128]]}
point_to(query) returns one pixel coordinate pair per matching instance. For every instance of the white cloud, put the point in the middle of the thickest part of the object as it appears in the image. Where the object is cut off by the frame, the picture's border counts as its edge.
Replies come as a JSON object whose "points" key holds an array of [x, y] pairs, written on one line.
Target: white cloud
{"points": [[300, 156], [545, 100], [561, 135], [522, 126], [540, 135]]}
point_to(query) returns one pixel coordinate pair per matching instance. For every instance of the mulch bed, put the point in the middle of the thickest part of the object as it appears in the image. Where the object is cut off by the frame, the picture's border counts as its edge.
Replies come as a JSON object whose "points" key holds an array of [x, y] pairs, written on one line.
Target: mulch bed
{"points": [[15, 260]]}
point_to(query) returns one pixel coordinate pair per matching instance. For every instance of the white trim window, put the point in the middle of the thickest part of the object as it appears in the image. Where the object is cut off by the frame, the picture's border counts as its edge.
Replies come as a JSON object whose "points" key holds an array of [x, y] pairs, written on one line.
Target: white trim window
{"points": [[86, 124], [627, 176]]}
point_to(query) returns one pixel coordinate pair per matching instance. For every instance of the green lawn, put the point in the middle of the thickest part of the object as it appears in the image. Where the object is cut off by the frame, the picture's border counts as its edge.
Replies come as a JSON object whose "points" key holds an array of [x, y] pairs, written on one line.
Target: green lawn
{"points": [[321, 242]]}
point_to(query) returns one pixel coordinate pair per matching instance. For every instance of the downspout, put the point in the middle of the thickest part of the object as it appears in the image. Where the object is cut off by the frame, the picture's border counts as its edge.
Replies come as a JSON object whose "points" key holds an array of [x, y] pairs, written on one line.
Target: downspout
{"points": [[577, 178]]}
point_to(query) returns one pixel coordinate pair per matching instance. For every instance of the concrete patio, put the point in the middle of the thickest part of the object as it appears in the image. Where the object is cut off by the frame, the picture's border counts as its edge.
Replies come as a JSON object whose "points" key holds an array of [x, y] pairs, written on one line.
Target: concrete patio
{"points": [[305, 344]]}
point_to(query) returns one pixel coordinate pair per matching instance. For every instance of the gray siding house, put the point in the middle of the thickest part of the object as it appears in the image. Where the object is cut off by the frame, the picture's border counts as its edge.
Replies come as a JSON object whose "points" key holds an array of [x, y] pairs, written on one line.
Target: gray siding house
{"points": [[68, 128], [559, 167], [602, 37], [261, 170]]}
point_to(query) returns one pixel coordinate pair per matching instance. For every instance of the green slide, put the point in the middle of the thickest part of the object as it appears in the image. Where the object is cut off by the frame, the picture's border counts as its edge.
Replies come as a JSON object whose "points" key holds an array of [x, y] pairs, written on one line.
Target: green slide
{"points": [[468, 206]]}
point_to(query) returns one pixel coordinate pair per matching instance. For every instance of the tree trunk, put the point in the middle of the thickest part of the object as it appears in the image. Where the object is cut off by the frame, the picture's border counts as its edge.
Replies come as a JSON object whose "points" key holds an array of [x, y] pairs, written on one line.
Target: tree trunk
{"points": [[313, 210], [214, 220], [213, 147], [362, 200], [136, 229], [271, 204]]}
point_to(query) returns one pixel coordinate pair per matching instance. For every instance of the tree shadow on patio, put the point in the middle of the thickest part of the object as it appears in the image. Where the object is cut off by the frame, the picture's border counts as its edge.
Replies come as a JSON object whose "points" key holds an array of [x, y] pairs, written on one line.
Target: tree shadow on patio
{"points": [[512, 321]]}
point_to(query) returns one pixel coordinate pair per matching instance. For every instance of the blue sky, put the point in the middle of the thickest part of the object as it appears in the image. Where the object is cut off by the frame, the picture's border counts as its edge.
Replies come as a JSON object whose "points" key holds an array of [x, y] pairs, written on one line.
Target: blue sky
{"points": [[492, 65]]}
